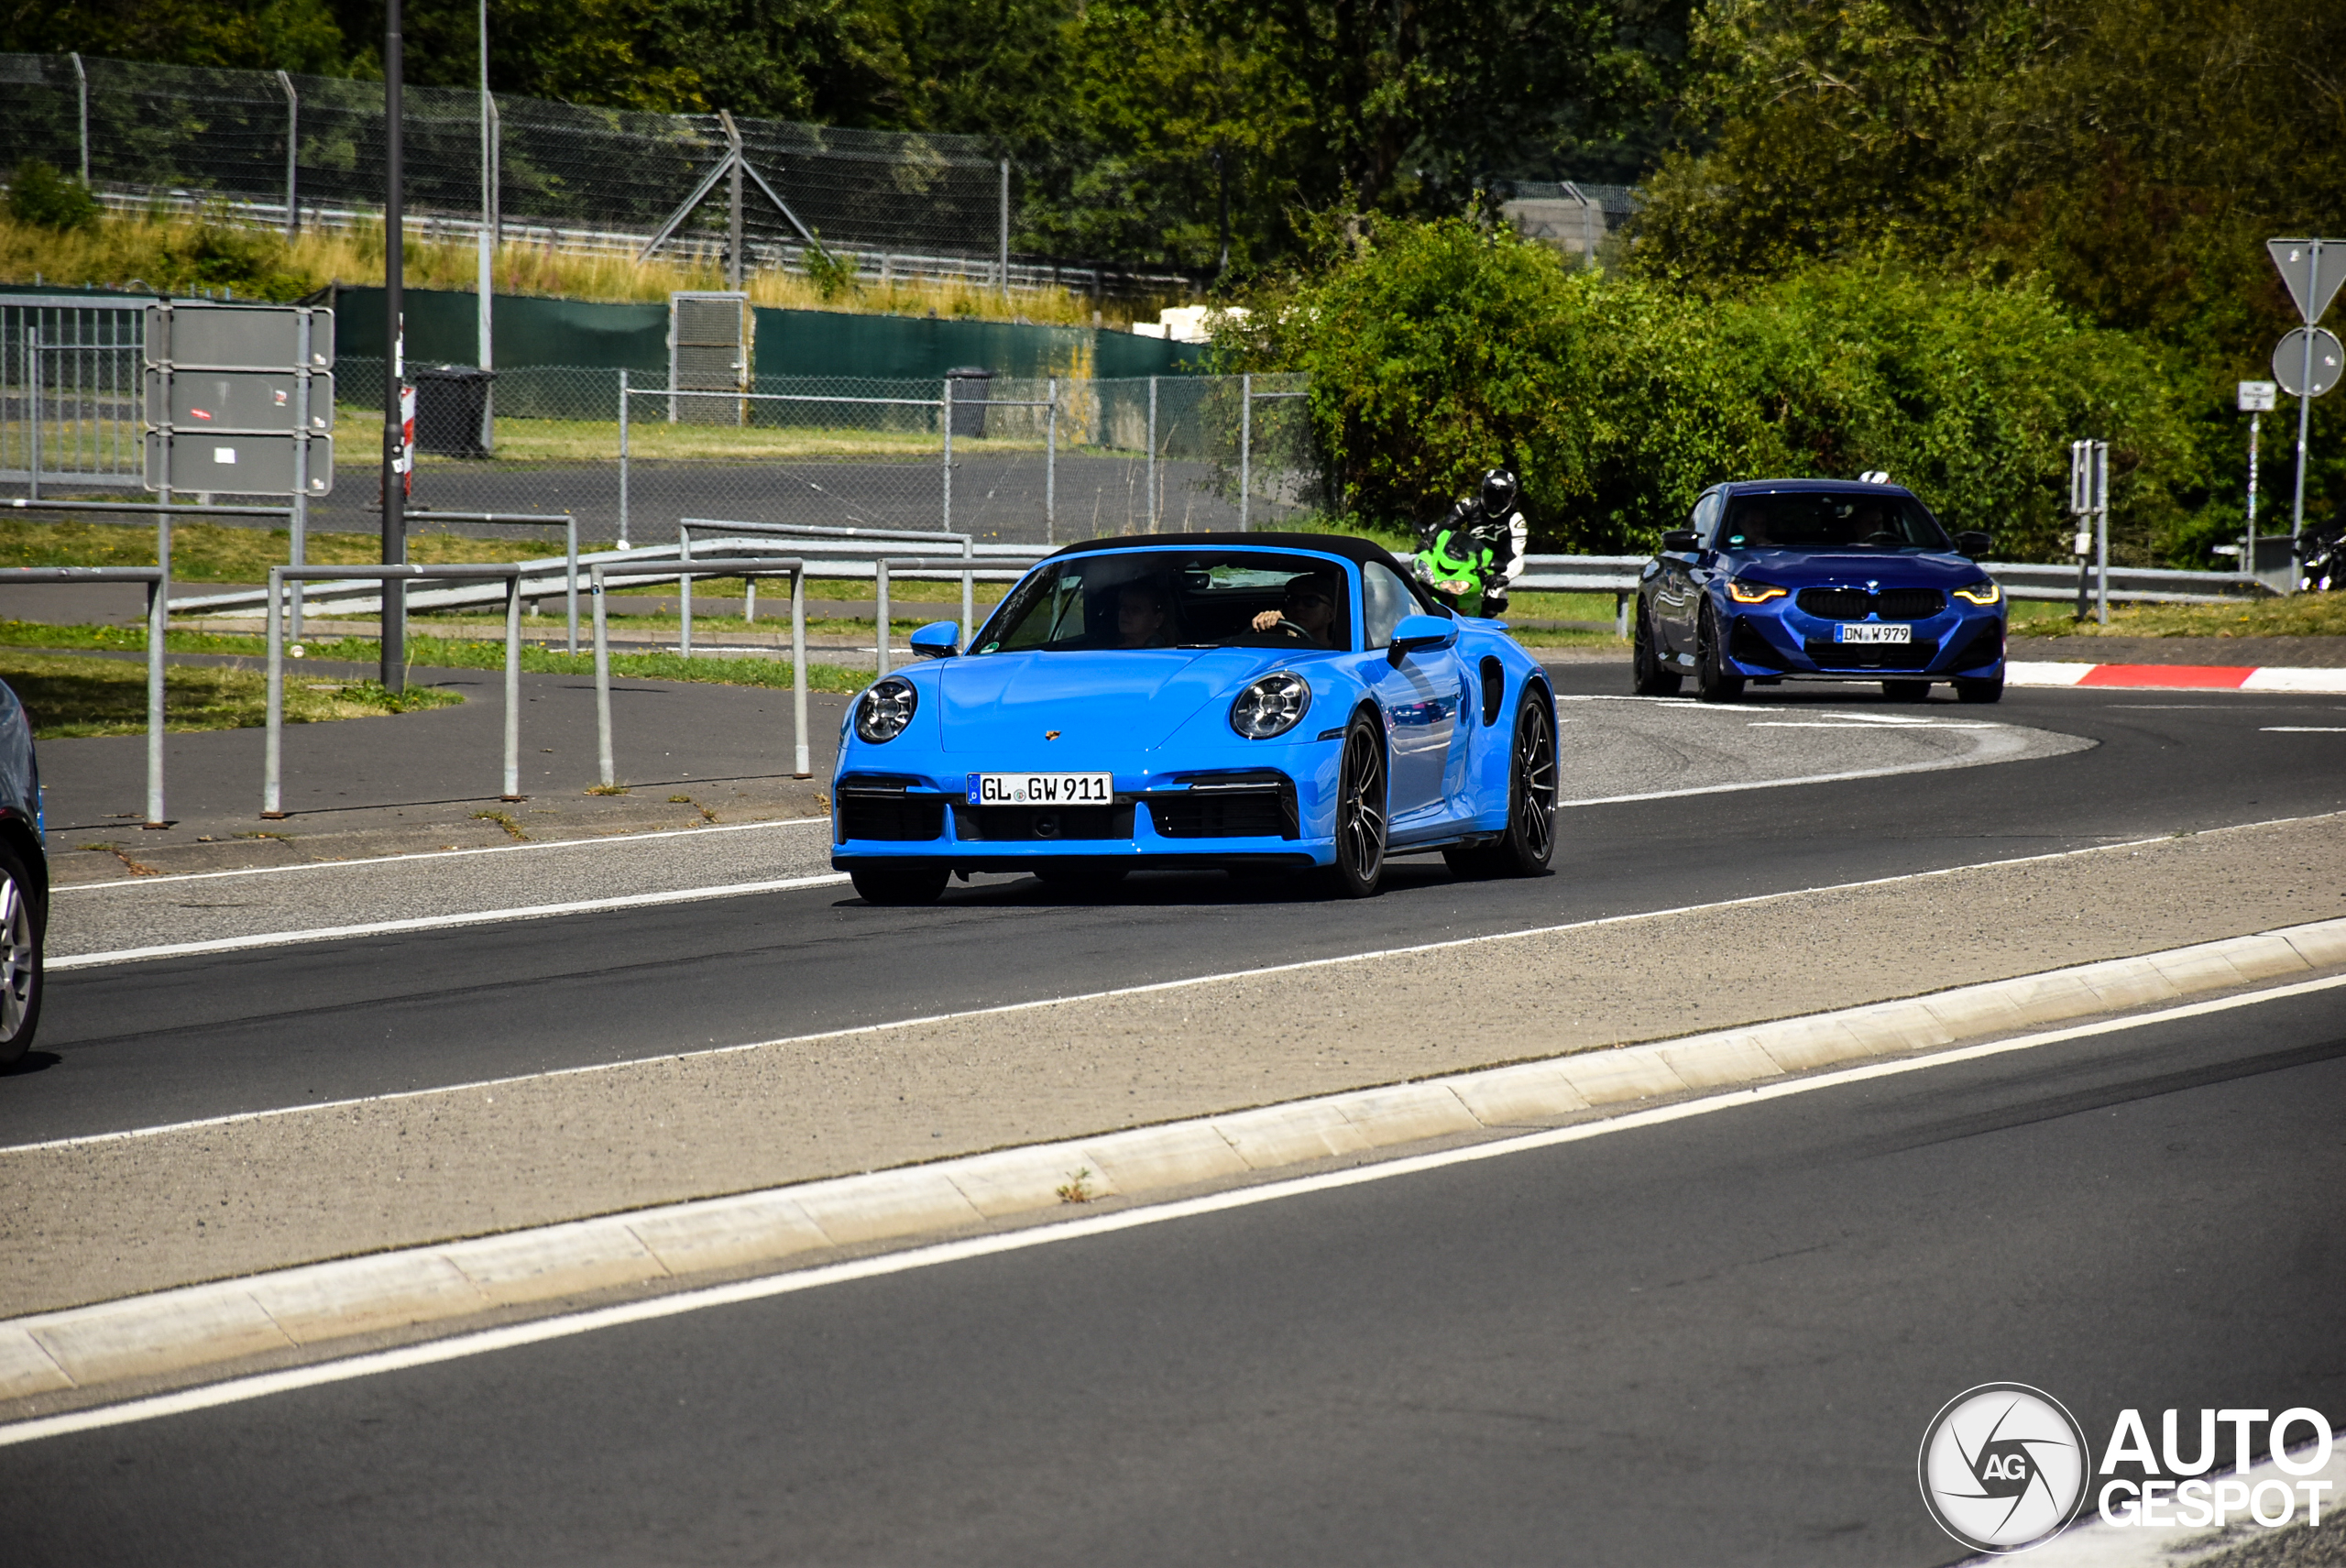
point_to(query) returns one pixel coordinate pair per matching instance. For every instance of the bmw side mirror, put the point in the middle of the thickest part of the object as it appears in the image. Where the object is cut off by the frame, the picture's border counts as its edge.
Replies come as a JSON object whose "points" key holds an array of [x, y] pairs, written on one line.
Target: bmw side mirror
{"points": [[1971, 544], [937, 640], [1681, 540], [1417, 633]]}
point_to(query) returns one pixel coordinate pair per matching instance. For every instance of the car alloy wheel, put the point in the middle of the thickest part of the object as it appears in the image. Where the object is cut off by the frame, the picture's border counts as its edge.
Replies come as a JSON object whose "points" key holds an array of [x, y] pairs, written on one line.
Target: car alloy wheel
{"points": [[1647, 677], [20, 965], [1360, 811], [1712, 682]]}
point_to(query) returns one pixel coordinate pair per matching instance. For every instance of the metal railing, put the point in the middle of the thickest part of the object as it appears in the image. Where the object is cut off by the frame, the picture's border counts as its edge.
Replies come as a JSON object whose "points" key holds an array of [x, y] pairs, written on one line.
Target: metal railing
{"points": [[727, 567], [153, 577], [810, 533], [514, 520]]}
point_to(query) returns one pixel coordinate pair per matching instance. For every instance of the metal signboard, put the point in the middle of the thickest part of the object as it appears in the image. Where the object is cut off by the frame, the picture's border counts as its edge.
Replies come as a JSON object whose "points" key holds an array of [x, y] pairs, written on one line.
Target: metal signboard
{"points": [[2313, 268], [239, 399], [2304, 375], [238, 337], [244, 465], [2257, 397]]}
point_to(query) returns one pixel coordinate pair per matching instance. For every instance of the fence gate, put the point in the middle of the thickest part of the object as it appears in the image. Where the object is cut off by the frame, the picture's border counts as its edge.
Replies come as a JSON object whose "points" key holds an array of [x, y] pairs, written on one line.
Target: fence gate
{"points": [[709, 351], [70, 388]]}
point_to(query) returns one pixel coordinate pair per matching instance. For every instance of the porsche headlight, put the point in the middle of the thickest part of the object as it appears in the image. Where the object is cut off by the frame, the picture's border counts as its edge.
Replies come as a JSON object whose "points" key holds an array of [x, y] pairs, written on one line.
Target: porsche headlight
{"points": [[1742, 592], [1272, 706], [1984, 591], [886, 710]]}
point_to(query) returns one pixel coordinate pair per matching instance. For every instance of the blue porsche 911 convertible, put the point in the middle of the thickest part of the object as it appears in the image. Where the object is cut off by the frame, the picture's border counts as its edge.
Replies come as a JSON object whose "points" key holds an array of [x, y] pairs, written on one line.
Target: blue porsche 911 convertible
{"points": [[1248, 701], [1776, 579]]}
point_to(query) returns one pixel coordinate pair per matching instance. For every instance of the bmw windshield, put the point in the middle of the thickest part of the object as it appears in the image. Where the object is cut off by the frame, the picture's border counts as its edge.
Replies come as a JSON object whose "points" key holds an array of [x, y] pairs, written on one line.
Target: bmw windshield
{"points": [[1174, 598], [1828, 520]]}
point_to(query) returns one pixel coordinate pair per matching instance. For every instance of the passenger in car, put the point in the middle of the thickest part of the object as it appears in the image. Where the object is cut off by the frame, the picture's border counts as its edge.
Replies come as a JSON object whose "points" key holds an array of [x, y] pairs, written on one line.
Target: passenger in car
{"points": [[1144, 616], [1310, 604]]}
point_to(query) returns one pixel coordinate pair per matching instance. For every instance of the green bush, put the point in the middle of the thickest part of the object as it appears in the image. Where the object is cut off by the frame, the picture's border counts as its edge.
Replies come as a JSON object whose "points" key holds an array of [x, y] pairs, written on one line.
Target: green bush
{"points": [[40, 195], [1439, 349]]}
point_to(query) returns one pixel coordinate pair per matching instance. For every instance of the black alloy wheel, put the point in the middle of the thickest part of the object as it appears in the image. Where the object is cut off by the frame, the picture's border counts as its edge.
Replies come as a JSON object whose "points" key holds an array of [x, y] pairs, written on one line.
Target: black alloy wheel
{"points": [[1712, 682], [1360, 811], [1647, 677], [1529, 841], [22, 925], [1990, 688], [1906, 691], [894, 885]]}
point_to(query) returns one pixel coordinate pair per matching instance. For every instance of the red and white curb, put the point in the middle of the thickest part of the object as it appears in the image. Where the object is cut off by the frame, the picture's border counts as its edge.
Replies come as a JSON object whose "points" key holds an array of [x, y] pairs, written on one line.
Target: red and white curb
{"points": [[2177, 677]]}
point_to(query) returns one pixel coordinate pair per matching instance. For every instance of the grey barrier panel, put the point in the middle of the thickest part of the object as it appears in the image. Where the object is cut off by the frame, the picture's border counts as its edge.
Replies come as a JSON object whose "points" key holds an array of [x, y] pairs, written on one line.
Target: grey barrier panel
{"points": [[245, 464], [153, 578], [248, 337], [802, 765], [240, 399]]}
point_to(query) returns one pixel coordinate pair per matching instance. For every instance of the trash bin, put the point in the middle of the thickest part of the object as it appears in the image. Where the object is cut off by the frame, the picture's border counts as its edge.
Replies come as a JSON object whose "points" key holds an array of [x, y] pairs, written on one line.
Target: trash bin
{"points": [[971, 391], [449, 402]]}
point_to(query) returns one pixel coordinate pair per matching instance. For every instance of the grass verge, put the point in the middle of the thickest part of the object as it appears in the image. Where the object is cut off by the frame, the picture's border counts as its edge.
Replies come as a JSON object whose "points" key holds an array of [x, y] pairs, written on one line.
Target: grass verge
{"points": [[2299, 614], [68, 698]]}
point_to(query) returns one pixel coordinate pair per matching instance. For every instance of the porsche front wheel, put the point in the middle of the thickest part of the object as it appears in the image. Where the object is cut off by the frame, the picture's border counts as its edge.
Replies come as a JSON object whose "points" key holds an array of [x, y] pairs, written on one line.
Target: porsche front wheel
{"points": [[1360, 811], [1529, 841]]}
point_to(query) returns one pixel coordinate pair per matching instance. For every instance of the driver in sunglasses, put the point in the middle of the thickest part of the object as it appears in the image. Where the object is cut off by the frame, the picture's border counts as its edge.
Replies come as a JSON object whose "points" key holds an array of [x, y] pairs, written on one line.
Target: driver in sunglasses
{"points": [[1309, 608]]}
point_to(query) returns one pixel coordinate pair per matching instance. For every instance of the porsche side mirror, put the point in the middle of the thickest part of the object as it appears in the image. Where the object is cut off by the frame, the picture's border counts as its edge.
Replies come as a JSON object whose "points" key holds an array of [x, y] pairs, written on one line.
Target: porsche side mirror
{"points": [[937, 640], [1418, 633], [1971, 544], [1681, 540]]}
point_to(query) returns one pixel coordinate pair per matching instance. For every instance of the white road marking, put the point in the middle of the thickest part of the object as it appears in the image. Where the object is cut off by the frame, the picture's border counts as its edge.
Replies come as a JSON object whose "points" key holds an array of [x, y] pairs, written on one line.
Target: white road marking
{"points": [[2304, 729], [234, 1117], [169, 879], [442, 922], [568, 1325]]}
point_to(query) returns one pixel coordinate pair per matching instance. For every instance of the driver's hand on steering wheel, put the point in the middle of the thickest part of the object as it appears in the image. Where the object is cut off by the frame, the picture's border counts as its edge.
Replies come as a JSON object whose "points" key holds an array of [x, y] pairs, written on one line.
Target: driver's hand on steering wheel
{"points": [[1268, 621]]}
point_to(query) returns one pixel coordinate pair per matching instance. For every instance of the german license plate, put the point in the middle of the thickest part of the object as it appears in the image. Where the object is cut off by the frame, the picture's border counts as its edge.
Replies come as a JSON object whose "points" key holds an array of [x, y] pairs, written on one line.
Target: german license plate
{"points": [[1042, 789], [1875, 635]]}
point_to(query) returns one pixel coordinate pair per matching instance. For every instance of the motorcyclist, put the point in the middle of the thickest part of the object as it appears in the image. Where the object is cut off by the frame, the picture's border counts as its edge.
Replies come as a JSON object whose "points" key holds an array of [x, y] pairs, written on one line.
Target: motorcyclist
{"points": [[1477, 549]]}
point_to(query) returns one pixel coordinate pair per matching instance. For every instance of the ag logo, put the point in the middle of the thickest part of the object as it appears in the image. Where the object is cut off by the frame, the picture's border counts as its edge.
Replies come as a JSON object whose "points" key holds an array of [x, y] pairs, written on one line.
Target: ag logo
{"points": [[2003, 1468]]}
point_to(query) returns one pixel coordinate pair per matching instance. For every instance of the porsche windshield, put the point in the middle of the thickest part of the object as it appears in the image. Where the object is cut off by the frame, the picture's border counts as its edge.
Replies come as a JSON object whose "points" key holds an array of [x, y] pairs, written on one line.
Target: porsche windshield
{"points": [[1828, 520], [1173, 598]]}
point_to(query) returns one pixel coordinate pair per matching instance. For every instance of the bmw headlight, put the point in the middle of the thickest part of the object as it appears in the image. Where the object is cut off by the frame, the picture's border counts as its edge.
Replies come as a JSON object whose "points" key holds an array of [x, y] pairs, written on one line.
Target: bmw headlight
{"points": [[1984, 591], [1744, 592], [1272, 706], [886, 710]]}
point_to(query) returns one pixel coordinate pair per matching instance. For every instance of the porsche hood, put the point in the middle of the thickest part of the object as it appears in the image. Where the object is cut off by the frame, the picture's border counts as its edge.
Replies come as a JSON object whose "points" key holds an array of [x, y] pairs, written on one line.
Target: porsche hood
{"points": [[1131, 700]]}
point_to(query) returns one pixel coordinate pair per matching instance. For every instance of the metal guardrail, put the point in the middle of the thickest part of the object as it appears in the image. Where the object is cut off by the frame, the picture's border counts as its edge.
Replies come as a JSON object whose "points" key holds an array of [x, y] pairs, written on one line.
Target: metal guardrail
{"points": [[723, 567], [818, 533], [153, 578]]}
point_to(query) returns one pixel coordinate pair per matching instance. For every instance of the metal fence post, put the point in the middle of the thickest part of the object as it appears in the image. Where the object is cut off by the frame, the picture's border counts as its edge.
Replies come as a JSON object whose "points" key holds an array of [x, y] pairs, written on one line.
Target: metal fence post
{"points": [[602, 687], [879, 585], [969, 594], [513, 687], [1245, 443], [293, 170], [1006, 231], [946, 403], [81, 115], [155, 607], [684, 589], [158, 620], [1051, 468], [622, 461], [1152, 454], [801, 766], [32, 388], [2101, 531], [273, 748]]}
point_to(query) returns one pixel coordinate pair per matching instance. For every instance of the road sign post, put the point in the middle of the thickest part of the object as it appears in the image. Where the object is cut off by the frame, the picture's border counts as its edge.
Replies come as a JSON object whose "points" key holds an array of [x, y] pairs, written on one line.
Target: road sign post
{"points": [[2256, 400], [2307, 362], [2089, 504]]}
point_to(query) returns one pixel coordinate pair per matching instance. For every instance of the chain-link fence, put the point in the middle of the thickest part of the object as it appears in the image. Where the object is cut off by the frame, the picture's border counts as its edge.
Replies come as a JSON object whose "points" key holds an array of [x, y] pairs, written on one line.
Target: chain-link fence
{"points": [[297, 150]]}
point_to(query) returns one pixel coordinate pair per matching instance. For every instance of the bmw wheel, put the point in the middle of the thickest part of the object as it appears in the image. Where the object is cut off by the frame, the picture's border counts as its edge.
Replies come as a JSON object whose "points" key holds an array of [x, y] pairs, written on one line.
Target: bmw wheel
{"points": [[1647, 677], [1712, 682], [1530, 843], [899, 884], [21, 923], [1360, 811]]}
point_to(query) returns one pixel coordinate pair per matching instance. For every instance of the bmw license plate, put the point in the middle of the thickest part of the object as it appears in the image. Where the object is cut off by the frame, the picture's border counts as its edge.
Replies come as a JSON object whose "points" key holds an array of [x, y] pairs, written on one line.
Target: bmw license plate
{"points": [[1042, 789], [1875, 634]]}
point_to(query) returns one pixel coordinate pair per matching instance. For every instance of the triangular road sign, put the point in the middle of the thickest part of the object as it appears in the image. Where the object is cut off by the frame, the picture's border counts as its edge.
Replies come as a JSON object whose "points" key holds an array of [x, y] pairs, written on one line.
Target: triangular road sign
{"points": [[2312, 268]]}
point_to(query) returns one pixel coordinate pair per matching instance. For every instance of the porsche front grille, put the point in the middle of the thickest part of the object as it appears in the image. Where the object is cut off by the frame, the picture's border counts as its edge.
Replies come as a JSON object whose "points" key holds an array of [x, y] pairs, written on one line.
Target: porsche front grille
{"points": [[1028, 824]]}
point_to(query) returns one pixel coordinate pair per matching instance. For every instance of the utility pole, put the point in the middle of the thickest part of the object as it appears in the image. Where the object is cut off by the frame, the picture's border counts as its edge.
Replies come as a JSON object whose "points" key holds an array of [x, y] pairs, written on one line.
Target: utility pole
{"points": [[393, 640]]}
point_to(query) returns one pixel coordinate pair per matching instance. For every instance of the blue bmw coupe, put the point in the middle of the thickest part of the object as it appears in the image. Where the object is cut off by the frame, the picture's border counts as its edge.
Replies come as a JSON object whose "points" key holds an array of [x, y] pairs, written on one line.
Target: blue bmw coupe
{"points": [[1247, 701], [1818, 580]]}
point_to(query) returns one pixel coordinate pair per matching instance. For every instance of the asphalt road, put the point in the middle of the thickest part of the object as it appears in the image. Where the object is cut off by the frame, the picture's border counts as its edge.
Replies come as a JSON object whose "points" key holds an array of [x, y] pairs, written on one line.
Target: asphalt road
{"points": [[1717, 1340], [168, 1040]]}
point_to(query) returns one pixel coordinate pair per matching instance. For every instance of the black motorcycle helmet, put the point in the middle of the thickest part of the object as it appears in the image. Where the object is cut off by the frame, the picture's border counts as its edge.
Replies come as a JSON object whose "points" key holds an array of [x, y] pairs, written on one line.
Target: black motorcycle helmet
{"points": [[1499, 492]]}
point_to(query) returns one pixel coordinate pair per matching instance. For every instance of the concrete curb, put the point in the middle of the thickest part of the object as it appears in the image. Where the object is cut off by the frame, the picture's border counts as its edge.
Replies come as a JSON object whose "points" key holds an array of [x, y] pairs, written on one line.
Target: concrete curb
{"points": [[174, 1331], [2176, 677]]}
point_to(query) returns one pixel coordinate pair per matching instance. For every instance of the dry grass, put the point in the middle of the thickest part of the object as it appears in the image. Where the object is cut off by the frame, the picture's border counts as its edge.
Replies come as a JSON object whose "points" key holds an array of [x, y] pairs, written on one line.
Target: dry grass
{"points": [[68, 696], [2299, 614], [183, 254]]}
